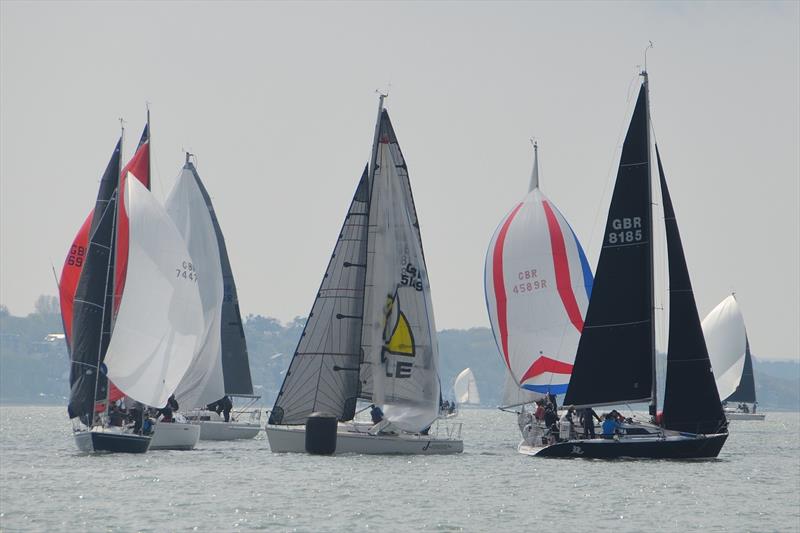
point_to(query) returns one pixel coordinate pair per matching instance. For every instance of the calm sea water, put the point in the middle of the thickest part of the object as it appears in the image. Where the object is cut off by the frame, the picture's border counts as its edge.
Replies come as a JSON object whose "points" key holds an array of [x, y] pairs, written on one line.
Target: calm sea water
{"points": [[46, 485]]}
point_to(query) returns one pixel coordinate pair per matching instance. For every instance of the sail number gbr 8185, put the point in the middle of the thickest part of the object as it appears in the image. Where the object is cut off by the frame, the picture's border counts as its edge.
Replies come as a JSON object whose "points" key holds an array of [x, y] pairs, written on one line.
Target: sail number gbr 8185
{"points": [[625, 230], [186, 271]]}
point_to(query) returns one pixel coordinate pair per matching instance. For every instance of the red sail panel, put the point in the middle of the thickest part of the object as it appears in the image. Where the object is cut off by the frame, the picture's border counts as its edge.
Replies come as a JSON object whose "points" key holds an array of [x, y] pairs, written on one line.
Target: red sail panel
{"points": [[71, 273], [139, 166]]}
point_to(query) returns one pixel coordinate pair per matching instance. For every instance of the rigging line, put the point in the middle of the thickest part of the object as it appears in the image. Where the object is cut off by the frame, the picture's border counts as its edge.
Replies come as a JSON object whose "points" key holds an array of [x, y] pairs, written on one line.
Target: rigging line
{"points": [[615, 157]]}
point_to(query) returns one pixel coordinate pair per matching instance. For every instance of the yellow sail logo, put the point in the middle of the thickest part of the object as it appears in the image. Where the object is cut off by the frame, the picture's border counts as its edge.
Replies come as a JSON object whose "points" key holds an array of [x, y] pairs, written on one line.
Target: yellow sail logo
{"points": [[398, 339]]}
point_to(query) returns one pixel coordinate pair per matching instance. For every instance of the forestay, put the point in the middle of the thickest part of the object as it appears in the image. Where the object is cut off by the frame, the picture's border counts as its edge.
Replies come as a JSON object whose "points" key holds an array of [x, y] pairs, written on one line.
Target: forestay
{"points": [[203, 382], [160, 319], [400, 364]]}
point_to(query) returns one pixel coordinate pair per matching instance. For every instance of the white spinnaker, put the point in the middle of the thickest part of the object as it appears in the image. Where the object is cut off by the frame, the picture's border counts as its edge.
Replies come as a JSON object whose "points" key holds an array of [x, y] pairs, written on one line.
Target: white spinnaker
{"points": [[160, 320], [466, 388], [396, 272], [203, 383], [514, 395], [726, 340]]}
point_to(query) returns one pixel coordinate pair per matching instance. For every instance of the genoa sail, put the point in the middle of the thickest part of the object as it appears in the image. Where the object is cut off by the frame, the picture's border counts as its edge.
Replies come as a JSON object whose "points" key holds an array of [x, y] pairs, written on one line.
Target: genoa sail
{"points": [[726, 339], [400, 365], [614, 360], [323, 374], [691, 400], [203, 382], [466, 388], [160, 319], [538, 284], [91, 302]]}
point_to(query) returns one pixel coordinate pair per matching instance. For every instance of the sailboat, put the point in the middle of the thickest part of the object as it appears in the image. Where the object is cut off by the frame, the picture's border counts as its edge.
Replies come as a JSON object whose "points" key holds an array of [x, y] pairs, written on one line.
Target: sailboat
{"points": [[729, 349], [370, 335], [538, 283], [466, 388], [145, 347], [220, 367], [615, 361]]}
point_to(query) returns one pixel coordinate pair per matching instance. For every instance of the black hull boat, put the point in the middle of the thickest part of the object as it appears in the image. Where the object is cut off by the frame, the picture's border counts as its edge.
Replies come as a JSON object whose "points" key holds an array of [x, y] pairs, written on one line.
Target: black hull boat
{"points": [[683, 446], [615, 360], [111, 442]]}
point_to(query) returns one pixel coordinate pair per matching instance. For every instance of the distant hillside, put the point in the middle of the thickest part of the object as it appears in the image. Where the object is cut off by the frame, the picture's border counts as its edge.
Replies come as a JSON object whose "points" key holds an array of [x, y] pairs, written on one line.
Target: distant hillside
{"points": [[36, 370]]}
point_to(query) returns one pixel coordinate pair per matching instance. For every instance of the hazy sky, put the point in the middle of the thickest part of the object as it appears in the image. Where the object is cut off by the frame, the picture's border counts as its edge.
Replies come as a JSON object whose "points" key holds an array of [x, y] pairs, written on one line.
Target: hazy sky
{"points": [[277, 101]]}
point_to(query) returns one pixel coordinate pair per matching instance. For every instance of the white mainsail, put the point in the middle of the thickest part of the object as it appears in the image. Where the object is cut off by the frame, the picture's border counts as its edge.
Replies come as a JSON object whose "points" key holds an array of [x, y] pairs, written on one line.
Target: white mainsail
{"points": [[401, 356], [466, 388], [726, 340], [203, 383], [160, 320]]}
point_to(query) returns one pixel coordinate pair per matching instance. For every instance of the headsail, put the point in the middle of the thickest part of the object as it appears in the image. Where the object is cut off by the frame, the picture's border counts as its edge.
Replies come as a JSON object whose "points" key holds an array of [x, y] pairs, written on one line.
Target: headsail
{"points": [[537, 282], [466, 388], [726, 339], [323, 374], [90, 321], [160, 319], [691, 400], [746, 391], [203, 382], [400, 365], [614, 362]]}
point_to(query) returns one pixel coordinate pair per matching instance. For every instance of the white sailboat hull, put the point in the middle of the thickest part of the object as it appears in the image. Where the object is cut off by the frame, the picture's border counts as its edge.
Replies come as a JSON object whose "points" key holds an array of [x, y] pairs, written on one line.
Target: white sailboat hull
{"points": [[175, 436], [292, 439], [213, 430], [745, 416]]}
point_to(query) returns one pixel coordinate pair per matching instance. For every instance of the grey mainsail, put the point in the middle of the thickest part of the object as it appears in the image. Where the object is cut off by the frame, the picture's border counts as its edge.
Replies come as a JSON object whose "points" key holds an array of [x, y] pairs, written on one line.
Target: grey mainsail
{"points": [[323, 374]]}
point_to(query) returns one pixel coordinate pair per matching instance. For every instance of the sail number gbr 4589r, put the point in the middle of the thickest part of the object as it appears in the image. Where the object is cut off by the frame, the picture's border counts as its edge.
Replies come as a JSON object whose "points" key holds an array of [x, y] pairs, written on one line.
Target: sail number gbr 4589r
{"points": [[625, 230]]}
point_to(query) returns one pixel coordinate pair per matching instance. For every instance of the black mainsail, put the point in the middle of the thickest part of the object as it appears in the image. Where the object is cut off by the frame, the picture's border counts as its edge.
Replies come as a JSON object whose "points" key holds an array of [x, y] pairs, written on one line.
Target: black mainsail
{"points": [[235, 362], [746, 391], [323, 374], [93, 304], [691, 400], [614, 361]]}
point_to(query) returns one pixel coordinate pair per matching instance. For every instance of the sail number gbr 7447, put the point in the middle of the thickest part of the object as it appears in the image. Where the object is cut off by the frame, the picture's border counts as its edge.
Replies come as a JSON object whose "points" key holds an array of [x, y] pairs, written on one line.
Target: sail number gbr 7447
{"points": [[625, 230], [186, 271]]}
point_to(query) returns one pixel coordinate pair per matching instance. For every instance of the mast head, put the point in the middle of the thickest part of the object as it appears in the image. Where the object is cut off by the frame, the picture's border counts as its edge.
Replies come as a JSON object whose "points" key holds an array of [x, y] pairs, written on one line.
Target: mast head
{"points": [[189, 155], [535, 172]]}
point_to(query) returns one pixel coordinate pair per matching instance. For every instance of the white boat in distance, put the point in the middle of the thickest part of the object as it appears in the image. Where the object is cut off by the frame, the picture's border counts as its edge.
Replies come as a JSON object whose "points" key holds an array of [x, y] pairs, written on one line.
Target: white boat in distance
{"points": [[370, 335], [729, 350], [465, 388], [221, 368]]}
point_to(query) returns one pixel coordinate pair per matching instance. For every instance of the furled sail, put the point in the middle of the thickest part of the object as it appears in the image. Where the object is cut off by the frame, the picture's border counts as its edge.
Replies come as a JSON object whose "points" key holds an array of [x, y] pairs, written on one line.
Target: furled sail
{"points": [[400, 364], [691, 400], [466, 388], [160, 319], [323, 374], [726, 339], [203, 382], [538, 283], [91, 302], [614, 361]]}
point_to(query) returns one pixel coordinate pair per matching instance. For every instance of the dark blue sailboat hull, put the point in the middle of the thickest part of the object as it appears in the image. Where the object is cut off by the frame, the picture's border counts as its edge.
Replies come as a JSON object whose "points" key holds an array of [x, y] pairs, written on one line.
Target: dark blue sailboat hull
{"points": [[112, 442], [684, 447]]}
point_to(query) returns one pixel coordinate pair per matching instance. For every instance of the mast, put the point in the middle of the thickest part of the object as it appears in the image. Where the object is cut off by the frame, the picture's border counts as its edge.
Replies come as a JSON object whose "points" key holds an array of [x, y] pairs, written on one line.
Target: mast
{"points": [[654, 390], [535, 172], [373, 160]]}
